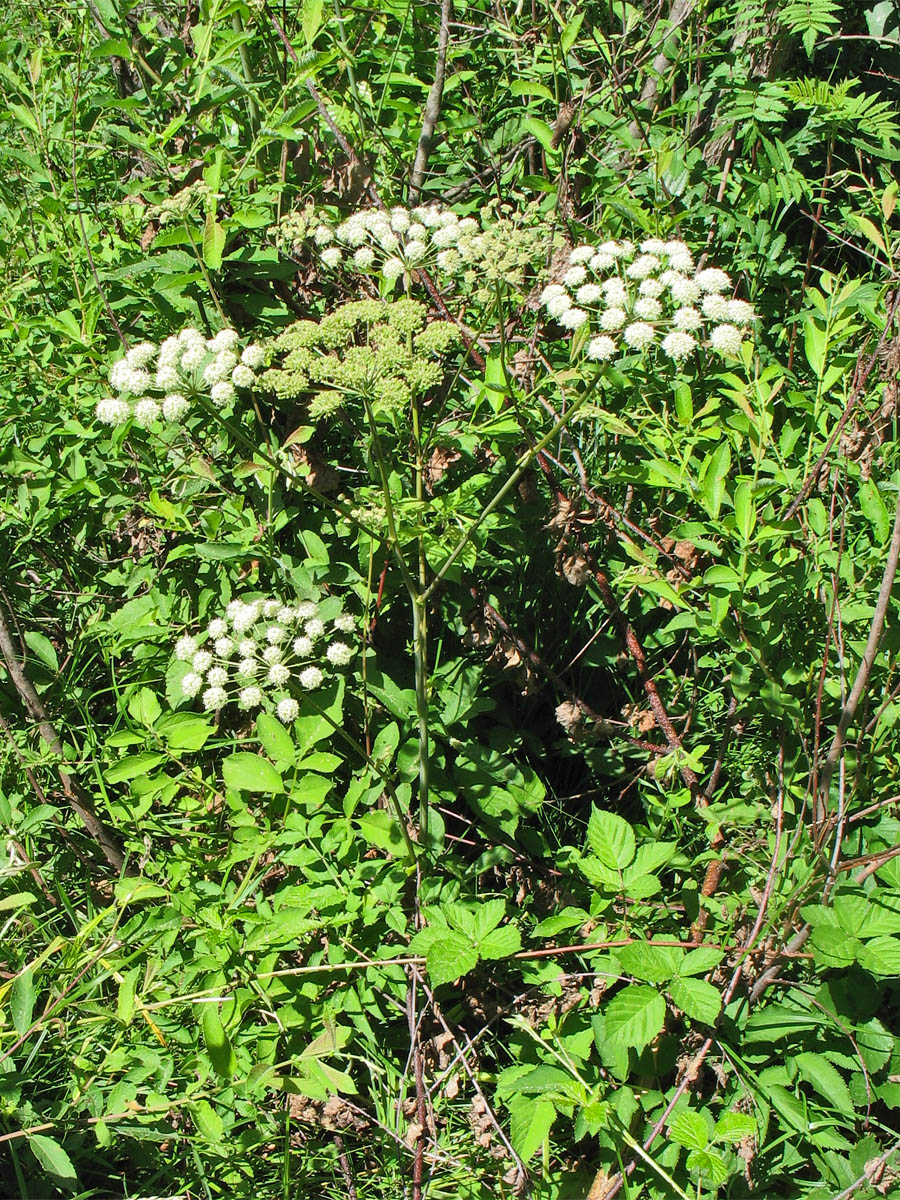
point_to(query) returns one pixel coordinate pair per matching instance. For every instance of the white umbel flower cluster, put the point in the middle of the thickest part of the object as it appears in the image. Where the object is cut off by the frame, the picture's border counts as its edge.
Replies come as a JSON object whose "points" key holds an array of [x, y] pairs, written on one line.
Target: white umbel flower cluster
{"points": [[261, 650], [161, 383], [638, 297], [399, 240]]}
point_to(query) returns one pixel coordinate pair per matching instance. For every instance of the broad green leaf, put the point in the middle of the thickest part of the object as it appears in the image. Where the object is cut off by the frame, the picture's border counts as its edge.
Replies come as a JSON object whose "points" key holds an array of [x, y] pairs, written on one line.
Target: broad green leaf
{"points": [[311, 19], [529, 1124], [569, 35], [21, 1001], [209, 1124], [881, 956], [54, 1160], [635, 1016], [132, 766], [826, 1079], [133, 889], [218, 1044], [42, 647], [275, 739], [875, 1044], [500, 943], [183, 731], [144, 707], [213, 242], [125, 998], [488, 916], [527, 87], [832, 947], [875, 512], [710, 1163], [690, 1129], [540, 131], [713, 476], [699, 961], [735, 1126], [744, 511], [611, 839], [652, 964], [382, 829], [251, 773], [699, 999], [450, 956]]}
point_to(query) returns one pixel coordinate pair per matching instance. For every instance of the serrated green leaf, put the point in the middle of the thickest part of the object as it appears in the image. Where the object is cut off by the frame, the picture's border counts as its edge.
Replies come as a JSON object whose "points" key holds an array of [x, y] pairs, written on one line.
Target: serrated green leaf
{"points": [[689, 1129], [708, 1162], [826, 1079], [54, 1160], [652, 964], [213, 242], [699, 961], [699, 999], [611, 839], [487, 916], [133, 765], [251, 773], [529, 1124], [635, 1016], [275, 740], [500, 943], [881, 956], [450, 956], [735, 1126]]}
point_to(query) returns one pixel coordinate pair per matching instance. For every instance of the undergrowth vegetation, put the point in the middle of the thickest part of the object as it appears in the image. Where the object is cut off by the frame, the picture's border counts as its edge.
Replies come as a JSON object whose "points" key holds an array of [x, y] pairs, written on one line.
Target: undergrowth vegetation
{"points": [[449, 685]]}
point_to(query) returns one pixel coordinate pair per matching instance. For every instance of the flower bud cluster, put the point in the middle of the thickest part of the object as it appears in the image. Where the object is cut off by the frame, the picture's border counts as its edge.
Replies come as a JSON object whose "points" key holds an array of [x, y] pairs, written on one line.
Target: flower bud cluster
{"points": [[632, 298], [262, 650], [382, 350], [161, 383], [476, 251]]}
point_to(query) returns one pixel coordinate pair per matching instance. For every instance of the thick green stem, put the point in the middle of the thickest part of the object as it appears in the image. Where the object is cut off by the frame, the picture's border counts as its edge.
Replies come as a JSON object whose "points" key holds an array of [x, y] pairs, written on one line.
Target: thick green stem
{"points": [[420, 653]]}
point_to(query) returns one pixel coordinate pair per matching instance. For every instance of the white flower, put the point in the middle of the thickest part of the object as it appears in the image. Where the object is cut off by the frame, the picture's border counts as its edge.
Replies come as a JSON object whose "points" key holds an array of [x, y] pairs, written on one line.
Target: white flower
{"points": [[140, 355], [726, 340], [185, 648], [448, 260], [146, 411], [286, 614], [589, 293], [302, 646], [323, 235], [712, 280], [128, 379], [574, 276], [615, 292], [603, 261], [250, 696], [112, 410], [400, 221], [174, 406], [167, 378], [332, 257], [221, 393], [613, 318], [364, 257], [214, 698], [217, 677], [551, 290], [223, 646], [557, 305], [573, 318], [415, 251], [225, 339], [270, 608], [581, 254], [639, 335], [715, 307], [168, 353], [740, 312], [613, 249], [643, 266], [253, 357], [647, 308], [247, 648], [276, 634], [244, 618], [242, 376], [682, 289], [314, 628], [417, 231], [191, 684], [220, 368], [392, 269], [202, 661], [278, 674], [248, 668], [687, 318], [288, 710], [652, 246], [191, 337], [272, 654], [192, 356], [217, 628], [352, 232], [601, 348], [651, 287], [339, 654], [344, 623], [307, 609], [445, 237], [678, 345], [310, 678]]}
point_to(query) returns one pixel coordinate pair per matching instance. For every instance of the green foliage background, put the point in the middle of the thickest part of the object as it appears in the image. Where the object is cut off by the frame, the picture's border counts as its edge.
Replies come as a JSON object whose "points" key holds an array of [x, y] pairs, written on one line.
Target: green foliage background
{"points": [[646, 944]]}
